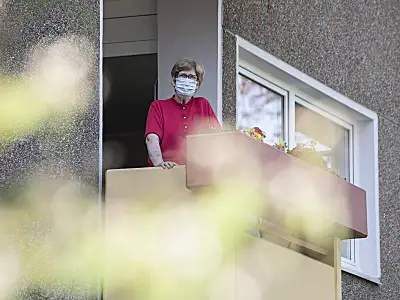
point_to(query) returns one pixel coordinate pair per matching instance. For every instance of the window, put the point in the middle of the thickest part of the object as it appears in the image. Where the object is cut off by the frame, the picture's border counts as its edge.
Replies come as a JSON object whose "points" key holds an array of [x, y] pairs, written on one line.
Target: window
{"points": [[286, 103], [260, 106], [333, 140]]}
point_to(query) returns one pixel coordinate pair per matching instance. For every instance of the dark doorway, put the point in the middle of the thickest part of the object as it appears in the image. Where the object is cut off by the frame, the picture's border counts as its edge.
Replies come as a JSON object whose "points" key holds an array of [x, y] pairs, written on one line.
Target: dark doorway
{"points": [[129, 88]]}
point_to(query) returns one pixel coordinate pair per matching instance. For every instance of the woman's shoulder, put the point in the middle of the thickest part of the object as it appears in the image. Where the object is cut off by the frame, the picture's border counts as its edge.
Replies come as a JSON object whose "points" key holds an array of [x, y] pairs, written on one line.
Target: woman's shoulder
{"points": [[202, 101], [161, 102]]}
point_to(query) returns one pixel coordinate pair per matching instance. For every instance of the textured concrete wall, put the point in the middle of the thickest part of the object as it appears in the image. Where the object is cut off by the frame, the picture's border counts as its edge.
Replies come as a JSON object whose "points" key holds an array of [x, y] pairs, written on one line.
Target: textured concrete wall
{"points": [[354, 48], [63, 146]]}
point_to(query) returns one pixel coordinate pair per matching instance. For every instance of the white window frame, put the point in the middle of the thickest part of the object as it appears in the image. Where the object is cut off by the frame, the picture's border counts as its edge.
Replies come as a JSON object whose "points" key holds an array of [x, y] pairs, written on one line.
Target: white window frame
{"points": [[274, 73]]}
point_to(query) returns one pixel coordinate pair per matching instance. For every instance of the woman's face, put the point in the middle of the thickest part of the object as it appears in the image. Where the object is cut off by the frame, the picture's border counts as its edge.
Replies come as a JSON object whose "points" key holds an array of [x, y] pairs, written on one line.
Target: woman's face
{"points": [[186, 84], [191, 74]]}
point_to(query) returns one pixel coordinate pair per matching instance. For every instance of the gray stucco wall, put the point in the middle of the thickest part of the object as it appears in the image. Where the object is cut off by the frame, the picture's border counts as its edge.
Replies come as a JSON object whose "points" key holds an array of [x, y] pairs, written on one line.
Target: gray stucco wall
{"points": [[62, 148], [354, 48]]}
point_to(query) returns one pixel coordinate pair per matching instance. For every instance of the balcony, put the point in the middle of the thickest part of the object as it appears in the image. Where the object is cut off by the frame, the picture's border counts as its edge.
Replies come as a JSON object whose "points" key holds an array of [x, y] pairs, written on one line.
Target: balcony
{"points": [[301, 213]]}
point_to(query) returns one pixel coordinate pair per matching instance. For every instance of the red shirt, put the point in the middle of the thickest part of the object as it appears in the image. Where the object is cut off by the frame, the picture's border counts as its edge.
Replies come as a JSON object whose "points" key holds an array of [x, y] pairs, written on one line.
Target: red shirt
{"points": [[173, 121]]}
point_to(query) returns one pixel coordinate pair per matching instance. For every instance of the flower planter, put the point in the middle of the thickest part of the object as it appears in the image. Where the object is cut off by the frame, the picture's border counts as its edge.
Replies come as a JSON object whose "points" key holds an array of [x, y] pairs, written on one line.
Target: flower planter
{"points": [[294, 187]]}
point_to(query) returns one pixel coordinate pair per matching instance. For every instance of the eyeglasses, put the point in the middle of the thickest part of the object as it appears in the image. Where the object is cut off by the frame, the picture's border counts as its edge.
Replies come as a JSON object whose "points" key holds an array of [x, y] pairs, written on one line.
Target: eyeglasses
{"points": [[190, 76]]}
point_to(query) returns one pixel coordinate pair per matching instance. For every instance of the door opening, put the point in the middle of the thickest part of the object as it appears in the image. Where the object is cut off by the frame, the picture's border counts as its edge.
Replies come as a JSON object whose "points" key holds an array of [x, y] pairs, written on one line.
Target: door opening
{"points": [[129, 87]]}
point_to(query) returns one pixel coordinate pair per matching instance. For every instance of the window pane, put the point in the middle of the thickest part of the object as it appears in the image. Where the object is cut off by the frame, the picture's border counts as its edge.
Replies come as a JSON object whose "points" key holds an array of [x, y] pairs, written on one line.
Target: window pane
{"points": [[332, 141], [258, 106], [347, 248]]}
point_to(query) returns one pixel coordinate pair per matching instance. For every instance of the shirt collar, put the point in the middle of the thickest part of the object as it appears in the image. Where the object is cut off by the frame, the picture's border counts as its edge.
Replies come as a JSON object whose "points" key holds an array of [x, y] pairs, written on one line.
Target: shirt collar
{"points": [[181, 104]]}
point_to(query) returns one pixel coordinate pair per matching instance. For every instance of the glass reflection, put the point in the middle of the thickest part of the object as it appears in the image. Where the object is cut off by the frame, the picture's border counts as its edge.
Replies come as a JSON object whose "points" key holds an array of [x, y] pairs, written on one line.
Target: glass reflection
{"points": [[258, 106], [332, 141]]}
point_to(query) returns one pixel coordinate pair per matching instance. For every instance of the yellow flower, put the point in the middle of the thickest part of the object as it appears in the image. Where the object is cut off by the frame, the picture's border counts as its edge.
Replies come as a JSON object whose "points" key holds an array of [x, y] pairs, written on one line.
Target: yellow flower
{"points": [[258, 136]]}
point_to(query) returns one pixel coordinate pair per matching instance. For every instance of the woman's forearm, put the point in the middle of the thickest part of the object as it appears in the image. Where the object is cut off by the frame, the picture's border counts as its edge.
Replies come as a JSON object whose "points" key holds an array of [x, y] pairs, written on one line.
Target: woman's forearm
{"points": [[154, 149]]}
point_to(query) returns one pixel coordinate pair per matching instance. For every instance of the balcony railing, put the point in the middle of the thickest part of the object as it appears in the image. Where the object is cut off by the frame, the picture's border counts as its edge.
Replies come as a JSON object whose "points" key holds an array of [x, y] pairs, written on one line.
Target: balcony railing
{"points": [[304, 212]]}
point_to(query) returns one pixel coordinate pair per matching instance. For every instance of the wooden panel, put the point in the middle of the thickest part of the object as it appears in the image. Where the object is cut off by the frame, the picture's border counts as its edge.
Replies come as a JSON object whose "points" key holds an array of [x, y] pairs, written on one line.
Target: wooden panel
{"points": [[124, 8], [268, 271], [127, 185], [283, 177], [337, 247], [269, 228], [130, 29], [130, 48], [263, 271]]}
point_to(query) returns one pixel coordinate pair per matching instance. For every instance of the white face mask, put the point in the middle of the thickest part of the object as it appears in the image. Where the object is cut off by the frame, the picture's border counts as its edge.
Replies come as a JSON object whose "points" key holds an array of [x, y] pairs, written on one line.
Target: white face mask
{"points": [[185, 87]]}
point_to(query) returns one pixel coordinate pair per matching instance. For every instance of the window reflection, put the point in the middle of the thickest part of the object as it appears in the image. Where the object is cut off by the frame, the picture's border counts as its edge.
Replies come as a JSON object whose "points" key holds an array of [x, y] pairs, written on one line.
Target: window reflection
{"points": [[258, 106], [332, 141]]}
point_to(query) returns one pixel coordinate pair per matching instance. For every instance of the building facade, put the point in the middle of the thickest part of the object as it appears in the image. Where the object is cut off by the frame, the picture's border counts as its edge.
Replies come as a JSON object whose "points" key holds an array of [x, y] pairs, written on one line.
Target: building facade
{"points": [[333, 61], [350, 47]]}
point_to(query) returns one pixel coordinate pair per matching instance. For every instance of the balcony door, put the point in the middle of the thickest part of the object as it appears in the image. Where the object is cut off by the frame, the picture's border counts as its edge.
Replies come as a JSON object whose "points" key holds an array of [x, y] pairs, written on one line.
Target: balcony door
{"points": [[129, 89], [129, 76]]}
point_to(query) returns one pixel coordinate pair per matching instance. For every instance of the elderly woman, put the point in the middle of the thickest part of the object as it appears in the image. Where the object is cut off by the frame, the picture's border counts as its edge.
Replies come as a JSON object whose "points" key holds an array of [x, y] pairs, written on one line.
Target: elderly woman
{"points": [[170, 121]]}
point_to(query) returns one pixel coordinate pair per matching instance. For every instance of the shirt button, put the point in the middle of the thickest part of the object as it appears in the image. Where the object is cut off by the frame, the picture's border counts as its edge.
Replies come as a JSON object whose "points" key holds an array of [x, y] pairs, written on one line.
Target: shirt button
{"points": [[185, 127], [184, 117], [184, 107]]}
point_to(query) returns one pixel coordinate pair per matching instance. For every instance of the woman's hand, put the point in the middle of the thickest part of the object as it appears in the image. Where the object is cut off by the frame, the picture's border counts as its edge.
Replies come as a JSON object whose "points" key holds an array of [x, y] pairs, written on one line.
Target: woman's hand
{"points": [[154, 150], [167, 165]]}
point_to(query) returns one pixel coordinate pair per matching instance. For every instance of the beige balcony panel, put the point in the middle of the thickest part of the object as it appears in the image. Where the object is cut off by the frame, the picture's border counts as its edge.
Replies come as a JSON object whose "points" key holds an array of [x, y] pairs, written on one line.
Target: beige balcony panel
{"points": [[265, 270]]}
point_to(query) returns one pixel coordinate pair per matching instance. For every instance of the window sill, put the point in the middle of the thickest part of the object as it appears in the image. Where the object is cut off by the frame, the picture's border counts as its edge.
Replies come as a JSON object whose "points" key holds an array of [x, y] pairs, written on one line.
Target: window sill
{"points": [[357, 273]]}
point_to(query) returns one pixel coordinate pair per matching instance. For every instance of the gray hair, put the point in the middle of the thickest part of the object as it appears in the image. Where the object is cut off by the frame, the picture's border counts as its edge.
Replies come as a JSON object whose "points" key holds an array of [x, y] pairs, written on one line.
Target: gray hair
{"points": [[188, 65]]}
